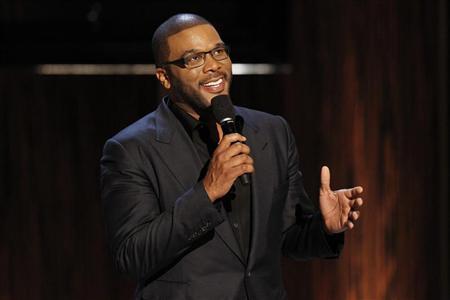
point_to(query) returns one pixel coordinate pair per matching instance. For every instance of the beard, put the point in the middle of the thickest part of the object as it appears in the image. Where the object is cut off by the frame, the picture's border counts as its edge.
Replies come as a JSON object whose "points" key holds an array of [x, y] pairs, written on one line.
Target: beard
{"points": [[194, 98]]}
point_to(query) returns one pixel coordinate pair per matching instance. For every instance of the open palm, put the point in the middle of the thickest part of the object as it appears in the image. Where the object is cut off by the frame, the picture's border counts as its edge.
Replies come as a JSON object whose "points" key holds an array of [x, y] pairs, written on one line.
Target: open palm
{"points": [[339, 208]]}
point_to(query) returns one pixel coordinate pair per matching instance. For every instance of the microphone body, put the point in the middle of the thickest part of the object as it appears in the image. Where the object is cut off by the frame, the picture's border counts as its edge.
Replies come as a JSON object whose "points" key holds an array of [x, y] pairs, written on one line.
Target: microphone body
{"points": [[224, 113], [228, 126]]}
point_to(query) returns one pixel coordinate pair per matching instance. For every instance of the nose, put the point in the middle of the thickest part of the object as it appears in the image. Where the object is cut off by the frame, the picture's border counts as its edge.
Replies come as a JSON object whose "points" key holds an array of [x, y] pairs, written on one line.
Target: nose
{"points": [[211, 65]]}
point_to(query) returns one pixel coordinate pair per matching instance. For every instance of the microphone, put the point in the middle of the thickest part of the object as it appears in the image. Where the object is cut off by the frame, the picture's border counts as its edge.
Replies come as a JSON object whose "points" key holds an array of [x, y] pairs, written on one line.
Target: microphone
{"points": [[223, 112]]}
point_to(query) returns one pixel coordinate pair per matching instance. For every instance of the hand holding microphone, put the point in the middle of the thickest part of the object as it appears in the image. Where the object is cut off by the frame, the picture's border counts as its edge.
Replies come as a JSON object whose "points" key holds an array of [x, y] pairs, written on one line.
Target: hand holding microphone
{"points": [[231, 158]]}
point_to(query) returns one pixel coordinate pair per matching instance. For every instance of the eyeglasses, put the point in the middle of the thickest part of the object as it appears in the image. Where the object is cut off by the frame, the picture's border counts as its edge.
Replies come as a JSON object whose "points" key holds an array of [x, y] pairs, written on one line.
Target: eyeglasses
{"points": [[195, 60]]}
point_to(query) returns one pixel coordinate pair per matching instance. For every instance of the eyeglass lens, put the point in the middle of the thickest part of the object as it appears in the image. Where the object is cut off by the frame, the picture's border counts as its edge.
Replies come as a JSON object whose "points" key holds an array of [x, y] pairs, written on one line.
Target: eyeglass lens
{"points": [[198, 59]]}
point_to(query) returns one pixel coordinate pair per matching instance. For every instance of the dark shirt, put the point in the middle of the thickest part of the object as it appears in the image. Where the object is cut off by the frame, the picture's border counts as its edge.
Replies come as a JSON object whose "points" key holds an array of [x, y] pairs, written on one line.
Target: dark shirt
{"points": [[237, 203]]}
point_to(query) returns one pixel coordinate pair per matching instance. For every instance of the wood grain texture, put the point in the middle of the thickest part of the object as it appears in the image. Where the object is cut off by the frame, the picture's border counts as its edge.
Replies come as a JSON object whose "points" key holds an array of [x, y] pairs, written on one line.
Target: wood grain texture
{"points": [[364, 92]]}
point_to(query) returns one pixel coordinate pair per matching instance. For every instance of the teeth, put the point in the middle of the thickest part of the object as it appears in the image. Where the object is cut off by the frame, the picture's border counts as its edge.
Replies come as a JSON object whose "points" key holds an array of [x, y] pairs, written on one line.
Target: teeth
{"points": [[213, 83]]}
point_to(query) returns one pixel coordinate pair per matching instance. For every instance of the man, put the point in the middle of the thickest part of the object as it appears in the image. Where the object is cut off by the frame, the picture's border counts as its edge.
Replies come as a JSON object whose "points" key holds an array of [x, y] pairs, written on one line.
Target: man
{"points": [[178, 218]]}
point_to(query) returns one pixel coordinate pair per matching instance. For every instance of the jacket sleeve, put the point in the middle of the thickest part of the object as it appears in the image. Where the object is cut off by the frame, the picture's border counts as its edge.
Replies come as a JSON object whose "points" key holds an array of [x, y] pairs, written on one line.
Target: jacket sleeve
{"points": [[145, 239], [304, 236]]}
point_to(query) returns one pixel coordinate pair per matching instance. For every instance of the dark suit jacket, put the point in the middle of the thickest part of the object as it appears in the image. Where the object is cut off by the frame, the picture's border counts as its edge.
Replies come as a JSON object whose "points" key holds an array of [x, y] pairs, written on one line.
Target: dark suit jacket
{"points": [[165, 232]]}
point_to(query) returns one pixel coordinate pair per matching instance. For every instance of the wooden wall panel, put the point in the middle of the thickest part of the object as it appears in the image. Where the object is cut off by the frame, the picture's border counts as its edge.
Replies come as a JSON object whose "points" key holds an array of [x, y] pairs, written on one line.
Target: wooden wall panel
{"points": [[51, 221], [362, 100]]}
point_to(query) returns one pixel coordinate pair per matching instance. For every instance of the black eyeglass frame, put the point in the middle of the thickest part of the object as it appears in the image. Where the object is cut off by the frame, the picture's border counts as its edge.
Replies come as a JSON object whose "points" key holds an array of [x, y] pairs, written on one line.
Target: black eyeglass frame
{"points": [[181, 62]]}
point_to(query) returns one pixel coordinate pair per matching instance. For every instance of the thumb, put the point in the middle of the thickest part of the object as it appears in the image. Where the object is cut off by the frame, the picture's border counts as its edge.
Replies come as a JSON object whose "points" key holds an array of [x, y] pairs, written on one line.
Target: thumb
{"points": [[325, 178]]}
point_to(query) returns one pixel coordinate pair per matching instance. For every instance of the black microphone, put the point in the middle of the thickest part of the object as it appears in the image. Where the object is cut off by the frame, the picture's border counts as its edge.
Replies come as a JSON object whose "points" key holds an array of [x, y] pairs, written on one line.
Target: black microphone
{"points": [[223, 112]]}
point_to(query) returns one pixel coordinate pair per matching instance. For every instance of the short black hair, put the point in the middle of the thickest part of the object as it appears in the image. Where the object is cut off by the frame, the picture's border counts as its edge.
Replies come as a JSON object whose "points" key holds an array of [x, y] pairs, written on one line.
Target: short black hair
{"points": [[170, 27]]}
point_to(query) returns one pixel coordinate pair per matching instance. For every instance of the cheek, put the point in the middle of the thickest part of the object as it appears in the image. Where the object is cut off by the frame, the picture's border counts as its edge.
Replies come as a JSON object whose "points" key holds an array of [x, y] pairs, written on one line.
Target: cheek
{"points": [[188, 79], [228, 66]]}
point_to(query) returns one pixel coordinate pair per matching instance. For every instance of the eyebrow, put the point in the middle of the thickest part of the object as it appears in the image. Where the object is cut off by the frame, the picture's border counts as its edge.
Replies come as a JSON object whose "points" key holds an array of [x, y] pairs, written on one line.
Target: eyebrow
{"points": [[190, 51]]}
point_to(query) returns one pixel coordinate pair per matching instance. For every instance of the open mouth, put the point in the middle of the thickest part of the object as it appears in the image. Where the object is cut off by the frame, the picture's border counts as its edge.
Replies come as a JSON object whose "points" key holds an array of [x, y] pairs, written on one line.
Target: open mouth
{"points": [[214, 86]]}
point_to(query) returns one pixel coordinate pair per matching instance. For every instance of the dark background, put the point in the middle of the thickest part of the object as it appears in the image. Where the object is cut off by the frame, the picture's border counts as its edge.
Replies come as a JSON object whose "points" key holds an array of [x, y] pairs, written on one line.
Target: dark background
{"points": [[367, 96]]}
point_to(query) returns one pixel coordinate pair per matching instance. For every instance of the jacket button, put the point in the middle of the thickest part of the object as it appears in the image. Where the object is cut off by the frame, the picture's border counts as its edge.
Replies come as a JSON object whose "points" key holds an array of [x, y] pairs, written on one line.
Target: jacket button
{"points": [[249, 274]]}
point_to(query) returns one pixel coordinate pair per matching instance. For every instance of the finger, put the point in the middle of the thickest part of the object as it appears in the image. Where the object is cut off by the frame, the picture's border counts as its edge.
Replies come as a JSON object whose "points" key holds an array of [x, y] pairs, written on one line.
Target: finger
{"points": [[350, 224], [247, 168], [240, 170], [353, 192], [235, 149], [229, 139], [325, 178], [239, 160], [354, 215], [357, 203]]}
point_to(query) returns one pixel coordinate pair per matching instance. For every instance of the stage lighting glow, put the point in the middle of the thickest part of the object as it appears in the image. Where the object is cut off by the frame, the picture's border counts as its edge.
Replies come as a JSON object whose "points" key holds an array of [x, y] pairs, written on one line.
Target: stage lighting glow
{"points": [[147, 69]]}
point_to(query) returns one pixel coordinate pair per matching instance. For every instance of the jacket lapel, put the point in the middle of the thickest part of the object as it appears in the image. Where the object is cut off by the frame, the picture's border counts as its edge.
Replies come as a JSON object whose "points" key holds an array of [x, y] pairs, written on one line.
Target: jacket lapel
{"points": [[261, 183], [176, 148]]}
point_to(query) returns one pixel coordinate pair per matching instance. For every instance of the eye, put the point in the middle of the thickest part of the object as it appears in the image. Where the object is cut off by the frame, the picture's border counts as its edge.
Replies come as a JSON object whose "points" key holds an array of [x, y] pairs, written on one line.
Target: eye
{"points": [[193, 58], [219, 51]]}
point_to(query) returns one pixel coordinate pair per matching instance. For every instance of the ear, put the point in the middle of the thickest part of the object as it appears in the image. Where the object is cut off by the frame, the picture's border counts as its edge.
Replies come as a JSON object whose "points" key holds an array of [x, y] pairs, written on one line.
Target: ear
{"points": [[163, 78]]}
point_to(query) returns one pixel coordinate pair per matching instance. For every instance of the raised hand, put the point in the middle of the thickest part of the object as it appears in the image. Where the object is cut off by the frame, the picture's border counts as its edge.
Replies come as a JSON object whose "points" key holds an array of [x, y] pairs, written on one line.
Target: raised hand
{"points": [[340, 209], [229, 161]]}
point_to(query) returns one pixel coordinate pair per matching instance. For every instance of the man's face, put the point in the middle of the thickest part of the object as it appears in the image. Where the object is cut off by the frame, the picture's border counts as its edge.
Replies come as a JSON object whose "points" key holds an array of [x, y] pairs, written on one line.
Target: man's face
{"points": [[196, 87]]}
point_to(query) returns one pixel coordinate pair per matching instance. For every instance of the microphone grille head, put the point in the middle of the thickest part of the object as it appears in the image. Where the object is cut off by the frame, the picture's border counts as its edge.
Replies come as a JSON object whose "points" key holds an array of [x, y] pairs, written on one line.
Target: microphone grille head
{"points": [[222, 108]]}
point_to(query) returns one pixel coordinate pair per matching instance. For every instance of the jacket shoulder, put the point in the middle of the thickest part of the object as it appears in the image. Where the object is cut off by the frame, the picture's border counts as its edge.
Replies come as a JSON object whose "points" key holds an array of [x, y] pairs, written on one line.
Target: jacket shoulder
{"points": [[261, 120], [132, 144], [141, 131]]}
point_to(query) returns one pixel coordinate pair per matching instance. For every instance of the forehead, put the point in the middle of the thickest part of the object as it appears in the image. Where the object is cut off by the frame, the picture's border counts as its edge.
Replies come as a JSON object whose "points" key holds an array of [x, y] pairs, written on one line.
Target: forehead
{"points": [[198, 38]]}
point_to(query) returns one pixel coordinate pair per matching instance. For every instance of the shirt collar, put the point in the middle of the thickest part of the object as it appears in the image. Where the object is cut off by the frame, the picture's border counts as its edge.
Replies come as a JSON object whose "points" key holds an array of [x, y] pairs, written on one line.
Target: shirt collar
{"points": [[189, 123]]}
